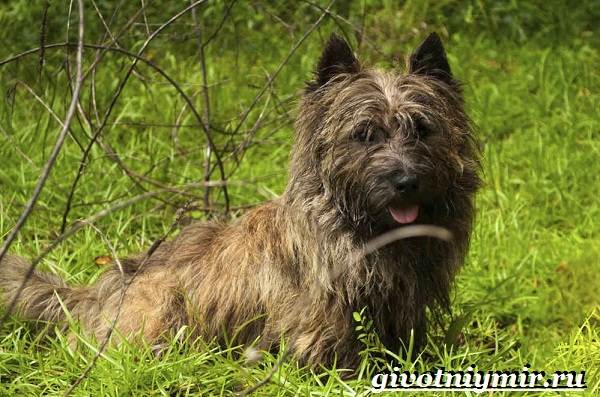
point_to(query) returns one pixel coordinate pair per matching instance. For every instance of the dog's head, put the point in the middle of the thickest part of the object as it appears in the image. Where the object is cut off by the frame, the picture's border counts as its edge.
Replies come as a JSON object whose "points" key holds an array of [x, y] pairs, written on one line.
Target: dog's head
{"points": [[385, 149]]}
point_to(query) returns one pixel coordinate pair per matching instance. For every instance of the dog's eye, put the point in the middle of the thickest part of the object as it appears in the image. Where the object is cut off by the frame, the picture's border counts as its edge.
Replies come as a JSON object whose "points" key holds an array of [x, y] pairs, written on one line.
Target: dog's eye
{"points": [[361, 134], [370, 135], [422, 129]]}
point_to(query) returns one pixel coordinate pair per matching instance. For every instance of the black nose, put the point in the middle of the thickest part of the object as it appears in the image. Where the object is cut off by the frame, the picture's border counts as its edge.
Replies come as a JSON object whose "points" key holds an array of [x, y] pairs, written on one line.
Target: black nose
{"points": [[406, 183]]}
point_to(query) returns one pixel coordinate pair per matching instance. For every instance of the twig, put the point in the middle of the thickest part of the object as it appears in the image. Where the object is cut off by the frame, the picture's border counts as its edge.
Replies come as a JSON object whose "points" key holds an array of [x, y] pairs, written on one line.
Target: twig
{"points": [[175, 128], [109, 151], [207, 132], [359, 31], [206, 98], [145, 19], [43, 36], [93, 102], [114, 40], [221, 23], [82, 165], [118, 92], [58, 145]]}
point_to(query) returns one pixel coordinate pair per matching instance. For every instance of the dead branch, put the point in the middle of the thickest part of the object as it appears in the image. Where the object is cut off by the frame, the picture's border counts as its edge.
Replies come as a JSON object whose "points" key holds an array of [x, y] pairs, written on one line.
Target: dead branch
{"points": [[221, 23], [206, 99], [43, 36]]}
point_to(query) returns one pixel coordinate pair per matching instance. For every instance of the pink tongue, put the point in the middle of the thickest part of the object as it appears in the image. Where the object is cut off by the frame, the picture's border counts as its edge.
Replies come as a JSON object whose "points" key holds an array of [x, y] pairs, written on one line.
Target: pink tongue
{"points": [[405, 215]]}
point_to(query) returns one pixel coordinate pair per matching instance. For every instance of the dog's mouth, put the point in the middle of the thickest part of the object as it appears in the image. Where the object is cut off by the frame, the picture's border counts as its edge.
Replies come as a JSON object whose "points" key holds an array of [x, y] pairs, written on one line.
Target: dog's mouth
{"points": [[404, 215]]}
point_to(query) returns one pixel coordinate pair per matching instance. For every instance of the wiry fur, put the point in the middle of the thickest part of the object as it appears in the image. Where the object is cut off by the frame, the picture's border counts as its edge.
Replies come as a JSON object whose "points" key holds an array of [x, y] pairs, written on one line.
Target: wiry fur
{"points": [[287, 266]]}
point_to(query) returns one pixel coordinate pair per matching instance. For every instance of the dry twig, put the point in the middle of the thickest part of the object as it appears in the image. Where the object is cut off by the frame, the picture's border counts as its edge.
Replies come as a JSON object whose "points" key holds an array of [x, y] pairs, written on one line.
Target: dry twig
{"points": [[206, 100]]}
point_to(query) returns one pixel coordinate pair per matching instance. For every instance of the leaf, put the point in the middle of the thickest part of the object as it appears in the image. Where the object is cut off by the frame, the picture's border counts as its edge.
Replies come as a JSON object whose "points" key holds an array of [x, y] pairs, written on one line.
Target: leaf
{"points": [[103, 260]]}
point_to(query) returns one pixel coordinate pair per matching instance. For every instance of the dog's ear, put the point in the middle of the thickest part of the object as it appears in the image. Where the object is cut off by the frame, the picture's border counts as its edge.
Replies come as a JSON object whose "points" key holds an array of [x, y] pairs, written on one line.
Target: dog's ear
{"points": [[337, 57], [430, 59]]}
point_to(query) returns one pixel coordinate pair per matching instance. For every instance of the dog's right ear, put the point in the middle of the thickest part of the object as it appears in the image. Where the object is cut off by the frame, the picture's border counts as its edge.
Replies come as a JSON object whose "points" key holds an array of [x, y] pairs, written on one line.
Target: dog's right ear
{"points": [[337, 58], [430, 59]]}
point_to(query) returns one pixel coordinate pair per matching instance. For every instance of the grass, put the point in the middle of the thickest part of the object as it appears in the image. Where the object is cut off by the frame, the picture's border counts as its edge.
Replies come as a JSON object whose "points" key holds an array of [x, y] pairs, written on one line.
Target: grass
{"points": [[528, 292]]}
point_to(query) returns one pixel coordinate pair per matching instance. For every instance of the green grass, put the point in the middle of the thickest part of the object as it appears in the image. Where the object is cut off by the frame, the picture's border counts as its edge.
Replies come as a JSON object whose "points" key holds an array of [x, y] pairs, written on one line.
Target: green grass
{"points": [[529, 290]]}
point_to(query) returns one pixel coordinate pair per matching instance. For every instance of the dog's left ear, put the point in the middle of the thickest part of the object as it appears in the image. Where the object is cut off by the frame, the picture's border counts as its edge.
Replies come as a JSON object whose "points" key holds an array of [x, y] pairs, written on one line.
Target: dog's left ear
{"points": [[430, 59], [337, 58]]}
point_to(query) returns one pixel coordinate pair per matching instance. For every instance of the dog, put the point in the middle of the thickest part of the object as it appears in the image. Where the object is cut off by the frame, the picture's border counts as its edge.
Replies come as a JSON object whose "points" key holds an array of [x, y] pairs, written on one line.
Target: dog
{"points": [[374, 151]]}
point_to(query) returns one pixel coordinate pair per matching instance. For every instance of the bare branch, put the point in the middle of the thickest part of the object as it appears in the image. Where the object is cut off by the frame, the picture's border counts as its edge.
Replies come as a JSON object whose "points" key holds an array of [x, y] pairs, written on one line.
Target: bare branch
{"points": [[145, 18], [221, 23], [43, 36], [99, 54], [206, 99], [136, 57], [107, 149]]}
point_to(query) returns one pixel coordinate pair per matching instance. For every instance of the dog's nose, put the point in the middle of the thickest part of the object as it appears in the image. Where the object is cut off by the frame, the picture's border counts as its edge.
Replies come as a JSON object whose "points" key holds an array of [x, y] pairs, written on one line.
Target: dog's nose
{"points": [[406, 183]]}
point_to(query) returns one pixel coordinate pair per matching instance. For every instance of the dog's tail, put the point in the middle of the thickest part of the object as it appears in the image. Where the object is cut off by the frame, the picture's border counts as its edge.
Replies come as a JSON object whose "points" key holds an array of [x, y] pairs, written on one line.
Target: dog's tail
{"points": [[40, 296]]}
